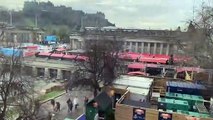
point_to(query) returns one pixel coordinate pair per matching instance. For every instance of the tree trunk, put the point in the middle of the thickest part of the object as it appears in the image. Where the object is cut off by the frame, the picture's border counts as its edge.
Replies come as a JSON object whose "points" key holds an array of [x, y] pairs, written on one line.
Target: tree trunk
{"points": [[95, 93], [3, 112], [1, 116]]}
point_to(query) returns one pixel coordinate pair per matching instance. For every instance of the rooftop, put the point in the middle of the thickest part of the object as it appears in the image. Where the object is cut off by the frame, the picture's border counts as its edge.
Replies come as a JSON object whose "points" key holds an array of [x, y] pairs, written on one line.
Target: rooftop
{"points": [[134, 81]]}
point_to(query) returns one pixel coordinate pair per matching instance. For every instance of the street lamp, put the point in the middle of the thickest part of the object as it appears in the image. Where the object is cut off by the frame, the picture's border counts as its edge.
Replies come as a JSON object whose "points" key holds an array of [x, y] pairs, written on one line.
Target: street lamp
{"points": [[36, 18], [11, 18]]}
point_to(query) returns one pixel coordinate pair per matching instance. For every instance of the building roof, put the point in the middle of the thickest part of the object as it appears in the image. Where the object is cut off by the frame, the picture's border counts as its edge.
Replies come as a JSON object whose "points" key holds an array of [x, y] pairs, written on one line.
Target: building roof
{"points": [[136, 103], [134, 81], [185, 85], [137, 73], [44, 54], [140, 91], [120, 86], [137, 66], [57, 55], [69, 56]]}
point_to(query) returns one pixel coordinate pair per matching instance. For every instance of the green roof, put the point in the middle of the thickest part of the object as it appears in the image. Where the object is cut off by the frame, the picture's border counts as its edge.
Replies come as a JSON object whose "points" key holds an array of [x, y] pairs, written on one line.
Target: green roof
{"points": [[103, 100]]}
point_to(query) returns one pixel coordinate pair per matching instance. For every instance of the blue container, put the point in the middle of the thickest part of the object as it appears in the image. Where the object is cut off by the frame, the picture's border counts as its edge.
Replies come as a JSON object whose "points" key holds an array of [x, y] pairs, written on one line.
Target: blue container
{"points": [[11, 52], [50, 39], [184, 88]]}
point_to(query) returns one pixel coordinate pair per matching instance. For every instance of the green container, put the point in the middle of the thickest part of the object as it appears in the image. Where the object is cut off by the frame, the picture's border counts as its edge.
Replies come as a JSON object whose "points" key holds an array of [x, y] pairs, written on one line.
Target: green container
{"points": [[181, 105], [195, 114], [173, 104], [191, 99]]}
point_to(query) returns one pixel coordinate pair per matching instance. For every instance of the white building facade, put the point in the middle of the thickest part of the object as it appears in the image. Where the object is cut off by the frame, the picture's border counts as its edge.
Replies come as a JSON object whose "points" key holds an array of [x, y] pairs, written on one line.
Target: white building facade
{"points": [[133, 40]]}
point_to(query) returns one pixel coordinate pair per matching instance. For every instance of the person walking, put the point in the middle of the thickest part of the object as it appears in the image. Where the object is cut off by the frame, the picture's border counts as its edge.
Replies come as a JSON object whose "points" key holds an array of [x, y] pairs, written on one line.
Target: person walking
{"points": [[49, 117], [85, 103], [70, 105], [75, 102], [86, 100], [52, 102], [58, 107]]}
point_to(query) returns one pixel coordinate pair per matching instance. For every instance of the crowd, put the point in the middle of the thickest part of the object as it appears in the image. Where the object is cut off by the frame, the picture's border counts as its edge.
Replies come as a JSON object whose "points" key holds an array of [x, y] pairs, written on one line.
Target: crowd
{"points": [[72, 104]]}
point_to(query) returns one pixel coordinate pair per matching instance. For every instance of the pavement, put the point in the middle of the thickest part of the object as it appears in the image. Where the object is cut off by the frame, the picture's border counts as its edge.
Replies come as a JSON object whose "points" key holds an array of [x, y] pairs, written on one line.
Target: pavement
{"points": [[63, 113]]}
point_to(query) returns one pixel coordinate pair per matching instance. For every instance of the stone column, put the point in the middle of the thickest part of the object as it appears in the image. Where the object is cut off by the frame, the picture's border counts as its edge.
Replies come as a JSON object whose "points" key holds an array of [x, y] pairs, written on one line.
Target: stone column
{"points": [[148, 48], [175, 49], [155, 47], [34, 71], [125, 45], [163, 71], [59, 74], [161, 48], [130, 46], [136, 47], [73, 42], [39, 38], [46, 73], [15, 38], [167, 49], [142, 47]]}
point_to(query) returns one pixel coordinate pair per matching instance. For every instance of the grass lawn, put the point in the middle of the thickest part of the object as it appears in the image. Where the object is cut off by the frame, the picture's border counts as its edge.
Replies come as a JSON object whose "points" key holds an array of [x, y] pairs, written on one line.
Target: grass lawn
{"points": [[50, 95]]}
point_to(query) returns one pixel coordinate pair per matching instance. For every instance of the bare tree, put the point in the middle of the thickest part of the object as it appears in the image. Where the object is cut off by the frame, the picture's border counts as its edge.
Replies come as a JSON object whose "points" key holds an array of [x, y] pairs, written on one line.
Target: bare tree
{"points": [[200, 33], [9, 81], [16, 89], [28, 107], [100, 66]]}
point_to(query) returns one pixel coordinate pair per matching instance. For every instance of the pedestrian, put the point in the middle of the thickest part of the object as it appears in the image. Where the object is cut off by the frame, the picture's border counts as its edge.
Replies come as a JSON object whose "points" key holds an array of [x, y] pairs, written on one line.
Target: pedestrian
{"points": [[86, 100], [49, 117], [52, 102], [57, 108], [70, 105], [75, 102]]}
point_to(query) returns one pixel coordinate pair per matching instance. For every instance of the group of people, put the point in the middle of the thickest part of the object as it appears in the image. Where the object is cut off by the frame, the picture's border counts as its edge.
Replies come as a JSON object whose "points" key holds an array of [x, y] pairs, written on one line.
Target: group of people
{"points": [[56, 105], [71, 104]]}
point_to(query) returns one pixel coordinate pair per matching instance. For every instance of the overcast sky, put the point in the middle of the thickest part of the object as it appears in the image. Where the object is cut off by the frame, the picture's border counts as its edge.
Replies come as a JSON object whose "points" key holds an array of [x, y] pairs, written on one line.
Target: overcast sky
{"points": [[145, 14]]}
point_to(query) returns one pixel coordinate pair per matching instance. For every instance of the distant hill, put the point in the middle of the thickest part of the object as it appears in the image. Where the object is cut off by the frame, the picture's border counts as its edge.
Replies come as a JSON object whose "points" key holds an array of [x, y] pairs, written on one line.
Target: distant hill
{"points": [[54, 18]]}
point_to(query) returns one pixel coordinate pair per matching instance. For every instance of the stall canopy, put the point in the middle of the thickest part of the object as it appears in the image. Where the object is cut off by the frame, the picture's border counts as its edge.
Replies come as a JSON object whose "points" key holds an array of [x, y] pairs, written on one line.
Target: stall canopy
{"points": [[140, 91], [134, 81]]}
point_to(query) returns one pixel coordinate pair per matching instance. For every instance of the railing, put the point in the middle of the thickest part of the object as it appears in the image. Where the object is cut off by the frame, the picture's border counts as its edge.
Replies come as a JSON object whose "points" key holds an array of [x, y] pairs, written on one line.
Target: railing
{"points": [[123, 96]]}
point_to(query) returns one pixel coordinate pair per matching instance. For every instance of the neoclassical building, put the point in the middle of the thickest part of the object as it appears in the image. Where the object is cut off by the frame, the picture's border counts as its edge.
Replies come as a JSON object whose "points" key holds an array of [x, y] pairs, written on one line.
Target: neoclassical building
{"points": [[134, 40], [13, 36]]}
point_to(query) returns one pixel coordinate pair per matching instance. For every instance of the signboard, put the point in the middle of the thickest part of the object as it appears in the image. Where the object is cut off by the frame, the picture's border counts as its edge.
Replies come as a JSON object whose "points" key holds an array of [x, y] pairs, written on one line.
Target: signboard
{"points": [[164, 116], [139, 114], [192, 118]]}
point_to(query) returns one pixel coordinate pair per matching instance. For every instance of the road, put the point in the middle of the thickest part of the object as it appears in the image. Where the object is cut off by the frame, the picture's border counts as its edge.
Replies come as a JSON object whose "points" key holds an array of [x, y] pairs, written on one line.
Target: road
{"points": [[61, 115]]}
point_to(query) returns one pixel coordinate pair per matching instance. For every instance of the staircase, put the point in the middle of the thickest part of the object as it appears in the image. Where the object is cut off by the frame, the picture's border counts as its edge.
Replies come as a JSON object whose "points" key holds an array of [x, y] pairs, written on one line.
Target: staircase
{"points": [[201, 108], [160, 90]]}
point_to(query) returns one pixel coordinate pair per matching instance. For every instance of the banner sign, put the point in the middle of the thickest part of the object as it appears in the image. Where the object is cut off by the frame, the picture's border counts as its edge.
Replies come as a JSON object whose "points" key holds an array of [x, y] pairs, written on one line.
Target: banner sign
{"points": [[164, 116], [139, 114]]}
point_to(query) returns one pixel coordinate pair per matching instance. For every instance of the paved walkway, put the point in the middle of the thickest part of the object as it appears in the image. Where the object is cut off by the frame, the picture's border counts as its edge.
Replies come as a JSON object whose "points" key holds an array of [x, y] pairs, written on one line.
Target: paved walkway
{"points": [[47, 107]]}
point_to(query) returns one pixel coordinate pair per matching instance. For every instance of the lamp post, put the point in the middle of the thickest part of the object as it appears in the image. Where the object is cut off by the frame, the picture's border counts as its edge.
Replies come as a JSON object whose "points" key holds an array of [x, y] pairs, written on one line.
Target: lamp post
{"points": [[36, 18], [11, 18]]}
